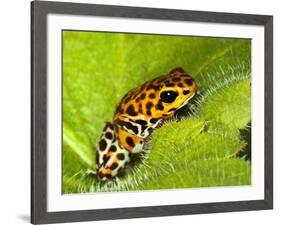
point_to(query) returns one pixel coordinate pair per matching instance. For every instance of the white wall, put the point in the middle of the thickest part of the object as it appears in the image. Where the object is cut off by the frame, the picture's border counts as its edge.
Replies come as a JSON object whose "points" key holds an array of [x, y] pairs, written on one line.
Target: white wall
{"points": [[15, 113]]}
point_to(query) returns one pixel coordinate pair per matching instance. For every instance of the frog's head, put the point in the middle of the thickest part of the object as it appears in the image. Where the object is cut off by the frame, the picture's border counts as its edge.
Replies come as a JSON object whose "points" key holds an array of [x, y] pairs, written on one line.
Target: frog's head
{"points": [[160, 97], [171, 92]]}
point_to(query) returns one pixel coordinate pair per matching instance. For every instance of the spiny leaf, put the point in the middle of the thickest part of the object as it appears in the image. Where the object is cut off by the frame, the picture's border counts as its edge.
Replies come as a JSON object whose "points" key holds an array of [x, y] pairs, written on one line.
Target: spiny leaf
{"points": [[229, 106], [204, 173]]}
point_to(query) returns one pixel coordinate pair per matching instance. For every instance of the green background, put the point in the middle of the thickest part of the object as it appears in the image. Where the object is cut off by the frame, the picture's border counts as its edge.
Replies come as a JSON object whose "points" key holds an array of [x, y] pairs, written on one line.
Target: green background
{"points": [[199, 151]]}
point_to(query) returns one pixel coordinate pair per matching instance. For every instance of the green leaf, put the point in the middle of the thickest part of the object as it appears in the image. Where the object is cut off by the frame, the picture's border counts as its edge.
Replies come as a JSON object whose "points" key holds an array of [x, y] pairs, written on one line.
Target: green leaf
{"points": [[204, 173], [198, 151]]}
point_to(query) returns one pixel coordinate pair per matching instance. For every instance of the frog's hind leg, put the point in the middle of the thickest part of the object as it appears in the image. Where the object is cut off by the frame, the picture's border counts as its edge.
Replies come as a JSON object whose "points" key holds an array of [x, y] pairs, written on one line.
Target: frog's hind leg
{"points": [[106, 141], [114, 161], [111, 157], [120, 153]]}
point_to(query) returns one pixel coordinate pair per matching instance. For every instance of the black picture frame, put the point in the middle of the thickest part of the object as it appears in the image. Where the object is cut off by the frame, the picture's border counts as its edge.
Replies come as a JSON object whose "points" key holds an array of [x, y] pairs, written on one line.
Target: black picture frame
{"points": [[39, 12]]}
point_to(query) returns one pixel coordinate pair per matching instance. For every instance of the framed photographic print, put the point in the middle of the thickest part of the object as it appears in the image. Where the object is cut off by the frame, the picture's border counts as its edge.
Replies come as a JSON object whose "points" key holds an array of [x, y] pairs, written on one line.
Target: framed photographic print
{"points": [[144, 112]]}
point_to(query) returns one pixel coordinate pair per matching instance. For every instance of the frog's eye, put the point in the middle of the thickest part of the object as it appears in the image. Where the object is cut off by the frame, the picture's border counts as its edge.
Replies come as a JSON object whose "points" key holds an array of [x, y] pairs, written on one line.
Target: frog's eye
{"points": [[168, 96]]}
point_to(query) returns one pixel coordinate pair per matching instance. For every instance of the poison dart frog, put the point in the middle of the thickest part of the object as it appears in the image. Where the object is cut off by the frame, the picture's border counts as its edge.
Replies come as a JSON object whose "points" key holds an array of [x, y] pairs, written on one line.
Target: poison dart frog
{"points": [[139, 112]]}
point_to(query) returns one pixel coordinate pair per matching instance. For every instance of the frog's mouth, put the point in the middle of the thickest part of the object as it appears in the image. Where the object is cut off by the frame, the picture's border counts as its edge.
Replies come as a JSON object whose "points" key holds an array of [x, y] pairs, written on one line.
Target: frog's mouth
{"points": [[187, 100], [186, 108]]}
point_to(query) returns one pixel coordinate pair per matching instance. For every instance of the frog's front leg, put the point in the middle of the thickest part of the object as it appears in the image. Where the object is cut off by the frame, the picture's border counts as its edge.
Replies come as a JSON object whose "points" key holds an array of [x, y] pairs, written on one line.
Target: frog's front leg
{"points": [[131, 142], [138, 126]]}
